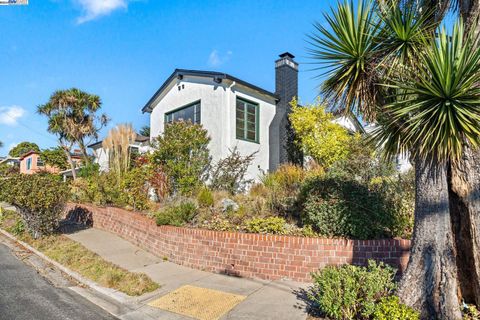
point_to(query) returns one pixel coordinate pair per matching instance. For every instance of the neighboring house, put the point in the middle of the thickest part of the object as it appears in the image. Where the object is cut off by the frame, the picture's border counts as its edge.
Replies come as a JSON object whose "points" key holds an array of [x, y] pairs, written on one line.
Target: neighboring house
{"points": [[141, 145], [9, 161], [31, 163], [235, 112]]}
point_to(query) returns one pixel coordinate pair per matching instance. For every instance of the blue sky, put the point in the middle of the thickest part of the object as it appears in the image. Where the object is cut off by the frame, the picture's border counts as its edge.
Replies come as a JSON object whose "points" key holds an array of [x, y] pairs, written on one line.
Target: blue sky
{"points": [[123, 50]]}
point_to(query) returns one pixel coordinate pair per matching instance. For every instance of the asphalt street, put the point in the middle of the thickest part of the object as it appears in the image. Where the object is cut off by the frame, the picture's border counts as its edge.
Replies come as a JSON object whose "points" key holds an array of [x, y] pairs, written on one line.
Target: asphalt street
{"points": [[26, 295]]}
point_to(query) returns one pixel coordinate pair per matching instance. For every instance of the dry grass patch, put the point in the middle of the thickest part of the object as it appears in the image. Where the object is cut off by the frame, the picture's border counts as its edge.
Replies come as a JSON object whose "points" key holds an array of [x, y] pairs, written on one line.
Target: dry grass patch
{"points": [[76, 257]]}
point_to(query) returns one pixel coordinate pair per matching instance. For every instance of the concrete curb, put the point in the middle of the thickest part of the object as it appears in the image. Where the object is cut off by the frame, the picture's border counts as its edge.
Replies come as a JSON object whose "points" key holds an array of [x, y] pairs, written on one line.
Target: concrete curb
{"points": [[116, 295]]}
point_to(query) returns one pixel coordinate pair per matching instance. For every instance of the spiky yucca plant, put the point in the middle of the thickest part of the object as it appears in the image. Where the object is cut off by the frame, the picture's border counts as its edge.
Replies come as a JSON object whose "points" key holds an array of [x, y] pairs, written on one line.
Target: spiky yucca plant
{"points": [[393, 65]]}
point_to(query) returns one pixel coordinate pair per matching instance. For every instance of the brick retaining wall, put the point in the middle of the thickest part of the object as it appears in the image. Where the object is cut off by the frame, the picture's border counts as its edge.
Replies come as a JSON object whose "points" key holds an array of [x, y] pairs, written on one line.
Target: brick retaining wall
{"points": [[247, 255]]}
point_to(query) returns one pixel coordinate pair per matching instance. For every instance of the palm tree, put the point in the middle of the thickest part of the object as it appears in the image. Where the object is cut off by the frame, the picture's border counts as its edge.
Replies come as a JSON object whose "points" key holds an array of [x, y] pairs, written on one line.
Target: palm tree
{"points": [[72, 116], [391, 63]]}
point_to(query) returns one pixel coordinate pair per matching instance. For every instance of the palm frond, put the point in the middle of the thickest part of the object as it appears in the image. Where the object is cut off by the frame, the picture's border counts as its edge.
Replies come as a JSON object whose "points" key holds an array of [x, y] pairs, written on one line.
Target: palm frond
{"points": [[404, 34], [345, 52], [437, 111]]}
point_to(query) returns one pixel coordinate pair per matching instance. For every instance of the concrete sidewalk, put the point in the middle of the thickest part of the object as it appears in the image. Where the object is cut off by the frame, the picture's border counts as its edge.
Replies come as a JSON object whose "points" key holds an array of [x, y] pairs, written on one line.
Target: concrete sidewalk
{"points": [[276, 300]]}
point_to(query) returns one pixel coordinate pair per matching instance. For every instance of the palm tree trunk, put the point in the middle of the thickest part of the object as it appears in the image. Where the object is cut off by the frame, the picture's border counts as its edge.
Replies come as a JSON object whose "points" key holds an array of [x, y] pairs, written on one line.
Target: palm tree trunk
{"points": [[67, 149], [470, 12], [429, 283], [83, 150], [464, 193]]}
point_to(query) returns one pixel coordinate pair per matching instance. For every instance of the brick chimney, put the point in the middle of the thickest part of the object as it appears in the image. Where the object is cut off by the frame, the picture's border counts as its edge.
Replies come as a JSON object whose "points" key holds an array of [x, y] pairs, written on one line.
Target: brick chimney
{"points": [[286, 87]]}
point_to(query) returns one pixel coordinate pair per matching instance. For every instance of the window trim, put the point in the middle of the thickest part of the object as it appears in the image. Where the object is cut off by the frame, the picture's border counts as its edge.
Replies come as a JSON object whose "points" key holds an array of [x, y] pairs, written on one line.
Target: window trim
{"points": [[40, 163], [257, 120], [29, 163], [199, 102]]}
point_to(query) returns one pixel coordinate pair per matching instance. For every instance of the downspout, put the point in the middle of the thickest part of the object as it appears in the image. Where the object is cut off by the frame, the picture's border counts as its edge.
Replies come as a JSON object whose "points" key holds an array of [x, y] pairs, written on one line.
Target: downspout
{"points": [[227, 144]]}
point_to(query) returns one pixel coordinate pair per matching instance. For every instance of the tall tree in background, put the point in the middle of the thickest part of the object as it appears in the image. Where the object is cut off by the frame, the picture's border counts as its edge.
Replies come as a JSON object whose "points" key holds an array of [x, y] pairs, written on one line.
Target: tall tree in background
{"points": [[318, 135], [393, 65], [72, 116], [145, 131], [55, 157], [22, 148]]}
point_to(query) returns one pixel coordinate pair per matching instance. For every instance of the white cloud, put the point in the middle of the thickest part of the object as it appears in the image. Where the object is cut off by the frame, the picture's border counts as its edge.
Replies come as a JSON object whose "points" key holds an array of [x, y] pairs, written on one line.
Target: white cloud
{"points": [[10, 115], [93, 9], [216, 59]]}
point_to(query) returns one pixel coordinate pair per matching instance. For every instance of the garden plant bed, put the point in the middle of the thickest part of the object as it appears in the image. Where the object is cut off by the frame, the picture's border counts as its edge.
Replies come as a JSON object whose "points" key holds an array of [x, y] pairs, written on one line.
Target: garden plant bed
{"points": [[77, 258], [261, 256]]}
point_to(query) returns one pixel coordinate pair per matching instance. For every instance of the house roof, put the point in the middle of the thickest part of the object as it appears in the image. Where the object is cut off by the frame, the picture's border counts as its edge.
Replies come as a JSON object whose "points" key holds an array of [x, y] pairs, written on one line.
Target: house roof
{"points": [[217, 76], [138, 138], [23, 156], [7, 159]]}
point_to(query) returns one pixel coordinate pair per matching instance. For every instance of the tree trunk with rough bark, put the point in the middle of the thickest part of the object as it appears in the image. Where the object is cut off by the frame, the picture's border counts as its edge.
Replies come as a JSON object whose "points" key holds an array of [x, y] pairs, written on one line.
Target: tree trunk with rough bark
{"points": [[429, 283], [470, 12], [464, 194], [83, 150], [66, 149]]}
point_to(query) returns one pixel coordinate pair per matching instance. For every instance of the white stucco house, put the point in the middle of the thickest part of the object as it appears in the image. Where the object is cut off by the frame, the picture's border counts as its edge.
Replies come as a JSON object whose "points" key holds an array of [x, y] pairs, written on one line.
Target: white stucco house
{"points": [[236, 113]]}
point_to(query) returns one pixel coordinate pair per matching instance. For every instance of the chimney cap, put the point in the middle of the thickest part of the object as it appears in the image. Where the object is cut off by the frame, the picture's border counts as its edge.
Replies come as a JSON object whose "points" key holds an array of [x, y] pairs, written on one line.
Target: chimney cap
{"points": [[287, 55]]}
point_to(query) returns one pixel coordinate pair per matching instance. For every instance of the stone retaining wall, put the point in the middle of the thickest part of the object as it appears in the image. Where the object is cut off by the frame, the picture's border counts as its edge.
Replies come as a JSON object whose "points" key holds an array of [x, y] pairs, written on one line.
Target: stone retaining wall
{"points": [[246, 255]]}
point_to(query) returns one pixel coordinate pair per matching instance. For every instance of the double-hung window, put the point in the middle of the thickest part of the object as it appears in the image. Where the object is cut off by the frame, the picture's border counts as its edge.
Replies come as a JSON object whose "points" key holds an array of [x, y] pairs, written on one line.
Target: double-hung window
{"points": [[191, 113], [247, 118], [40, 163]]}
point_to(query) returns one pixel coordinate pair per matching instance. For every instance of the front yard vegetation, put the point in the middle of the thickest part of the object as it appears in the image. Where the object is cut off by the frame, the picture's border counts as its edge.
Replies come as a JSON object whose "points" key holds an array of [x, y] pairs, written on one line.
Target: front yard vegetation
{"points": [[353, 292], [39, 199], [351, 193]]}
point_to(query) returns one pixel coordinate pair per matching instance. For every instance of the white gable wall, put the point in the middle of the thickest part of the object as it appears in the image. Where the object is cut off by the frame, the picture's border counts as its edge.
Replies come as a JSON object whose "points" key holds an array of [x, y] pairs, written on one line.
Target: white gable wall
{"points": [[101, 158], [218, 103]]}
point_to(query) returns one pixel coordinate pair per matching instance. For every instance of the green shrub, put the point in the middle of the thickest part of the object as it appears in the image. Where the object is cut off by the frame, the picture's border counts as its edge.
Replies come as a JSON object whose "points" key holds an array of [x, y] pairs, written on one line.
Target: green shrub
{"points": [[55, 157], [470, 312], [88, 170], [390, 308], [100, 188], [362, 163], [134, 188], [283, 186], [205, 198], [177, 215], [287, 177], [18, 228], [182, 152], [229, 173], [399, 192], [274, 225], [8, 170], [351, 292], [39, 199], [345, 208]]}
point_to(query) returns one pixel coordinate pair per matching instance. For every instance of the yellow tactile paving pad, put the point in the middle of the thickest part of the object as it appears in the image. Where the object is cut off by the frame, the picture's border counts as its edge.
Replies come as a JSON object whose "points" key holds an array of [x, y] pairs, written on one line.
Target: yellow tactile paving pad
{"points": [[198, 303]]}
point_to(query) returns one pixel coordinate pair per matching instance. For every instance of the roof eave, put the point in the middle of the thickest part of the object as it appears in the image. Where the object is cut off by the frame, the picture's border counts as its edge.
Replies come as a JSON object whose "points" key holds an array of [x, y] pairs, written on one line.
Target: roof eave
{"points": [[148, 106]]}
